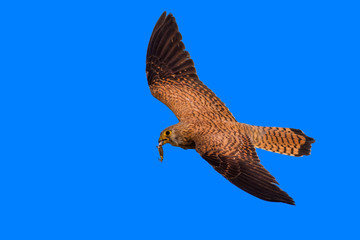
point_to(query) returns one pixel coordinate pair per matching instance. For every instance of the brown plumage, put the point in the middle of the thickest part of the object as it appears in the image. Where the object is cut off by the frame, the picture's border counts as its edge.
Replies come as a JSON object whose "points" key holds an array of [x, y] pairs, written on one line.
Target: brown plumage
{"points": [[207, 125]]}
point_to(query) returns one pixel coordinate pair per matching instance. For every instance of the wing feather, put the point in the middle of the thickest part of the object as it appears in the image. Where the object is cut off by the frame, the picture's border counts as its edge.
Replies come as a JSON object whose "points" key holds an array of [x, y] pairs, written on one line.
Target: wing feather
{"points": [[238, 162], [172, 76]]}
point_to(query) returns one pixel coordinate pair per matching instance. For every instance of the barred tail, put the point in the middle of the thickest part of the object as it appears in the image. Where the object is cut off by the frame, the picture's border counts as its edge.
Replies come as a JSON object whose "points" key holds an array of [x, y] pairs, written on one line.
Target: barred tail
{"points": [[287, 141]]}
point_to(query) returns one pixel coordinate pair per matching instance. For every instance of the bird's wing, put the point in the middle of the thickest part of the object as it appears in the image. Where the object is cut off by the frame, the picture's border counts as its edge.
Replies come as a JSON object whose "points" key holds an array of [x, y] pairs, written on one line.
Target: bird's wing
{"points": [[234, 157], [172, 76]]}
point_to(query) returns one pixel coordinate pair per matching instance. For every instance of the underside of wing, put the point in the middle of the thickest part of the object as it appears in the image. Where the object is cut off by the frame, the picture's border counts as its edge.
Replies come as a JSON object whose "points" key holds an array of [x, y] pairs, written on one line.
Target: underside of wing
{"points": [[172, 76], [235, 158]]}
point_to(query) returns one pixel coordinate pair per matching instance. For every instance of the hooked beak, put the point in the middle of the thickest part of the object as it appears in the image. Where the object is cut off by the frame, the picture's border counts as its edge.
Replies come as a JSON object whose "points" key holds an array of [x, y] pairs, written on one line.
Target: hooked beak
{"points": [[163, 141]]}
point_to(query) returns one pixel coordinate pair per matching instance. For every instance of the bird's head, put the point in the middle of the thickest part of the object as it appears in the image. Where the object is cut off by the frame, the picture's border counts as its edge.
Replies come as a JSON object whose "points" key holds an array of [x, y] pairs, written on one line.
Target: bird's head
{"points": [[167, 136], [177, 135]]}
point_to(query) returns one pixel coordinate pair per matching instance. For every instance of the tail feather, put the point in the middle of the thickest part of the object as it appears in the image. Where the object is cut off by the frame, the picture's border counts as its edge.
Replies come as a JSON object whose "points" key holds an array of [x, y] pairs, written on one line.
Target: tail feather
{"points": [[288, 141]]}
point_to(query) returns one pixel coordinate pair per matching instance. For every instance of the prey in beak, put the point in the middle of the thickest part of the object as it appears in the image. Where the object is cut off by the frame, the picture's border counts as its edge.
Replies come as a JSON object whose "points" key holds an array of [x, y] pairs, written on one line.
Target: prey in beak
{"points": [[161, 151], [164, 138]]}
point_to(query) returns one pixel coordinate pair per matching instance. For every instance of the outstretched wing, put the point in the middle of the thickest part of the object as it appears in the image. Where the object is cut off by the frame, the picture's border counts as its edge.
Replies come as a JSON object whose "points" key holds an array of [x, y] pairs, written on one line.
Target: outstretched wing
{"points": [[234, 157], [172, 76]]}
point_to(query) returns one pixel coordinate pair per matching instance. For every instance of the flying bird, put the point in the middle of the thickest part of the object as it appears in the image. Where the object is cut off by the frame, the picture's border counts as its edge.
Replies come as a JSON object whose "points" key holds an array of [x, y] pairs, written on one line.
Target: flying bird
{"points": [[207, 125]]}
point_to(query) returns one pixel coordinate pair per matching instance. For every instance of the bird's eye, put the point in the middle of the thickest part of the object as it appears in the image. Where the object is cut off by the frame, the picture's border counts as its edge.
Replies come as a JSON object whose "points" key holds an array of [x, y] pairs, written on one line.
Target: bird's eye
{"points": [[167, 133]]}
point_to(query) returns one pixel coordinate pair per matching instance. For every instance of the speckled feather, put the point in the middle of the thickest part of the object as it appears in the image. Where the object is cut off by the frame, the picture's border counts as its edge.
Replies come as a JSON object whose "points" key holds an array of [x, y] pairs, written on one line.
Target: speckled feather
{"points": [[172, 76], [207, 125], [288, 141]]}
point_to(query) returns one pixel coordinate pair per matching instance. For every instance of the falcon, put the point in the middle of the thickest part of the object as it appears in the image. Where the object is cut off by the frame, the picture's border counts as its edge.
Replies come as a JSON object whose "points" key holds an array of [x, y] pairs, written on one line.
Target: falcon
{"points": [[207, 125]]}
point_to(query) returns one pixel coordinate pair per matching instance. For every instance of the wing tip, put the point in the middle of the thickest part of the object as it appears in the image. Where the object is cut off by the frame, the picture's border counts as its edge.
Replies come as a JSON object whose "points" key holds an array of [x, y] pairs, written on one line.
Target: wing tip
{"points": [[289, 201], [281, 196], [166, 55]]}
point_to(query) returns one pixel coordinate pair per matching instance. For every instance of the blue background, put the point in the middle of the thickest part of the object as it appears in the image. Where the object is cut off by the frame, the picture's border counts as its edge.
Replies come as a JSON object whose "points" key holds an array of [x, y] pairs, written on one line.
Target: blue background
{"points": [[79, 125]]}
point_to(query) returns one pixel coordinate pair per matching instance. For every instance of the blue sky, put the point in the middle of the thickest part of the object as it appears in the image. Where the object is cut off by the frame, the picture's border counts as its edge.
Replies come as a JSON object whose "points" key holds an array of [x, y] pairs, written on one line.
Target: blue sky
{"points": [[79, 125]]}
